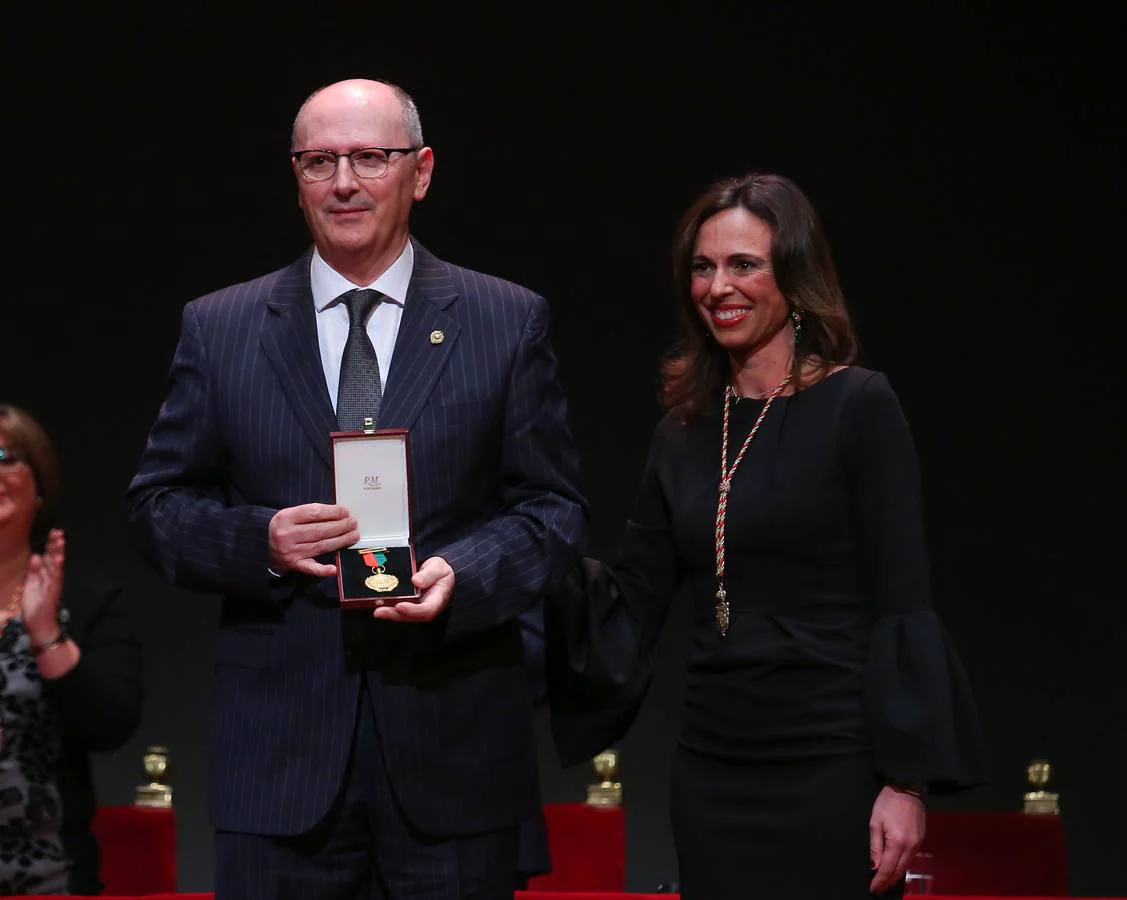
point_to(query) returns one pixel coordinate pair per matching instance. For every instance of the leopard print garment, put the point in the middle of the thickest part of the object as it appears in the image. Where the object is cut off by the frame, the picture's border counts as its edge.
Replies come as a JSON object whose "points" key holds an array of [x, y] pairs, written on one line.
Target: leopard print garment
{"points": [[32, 860]]}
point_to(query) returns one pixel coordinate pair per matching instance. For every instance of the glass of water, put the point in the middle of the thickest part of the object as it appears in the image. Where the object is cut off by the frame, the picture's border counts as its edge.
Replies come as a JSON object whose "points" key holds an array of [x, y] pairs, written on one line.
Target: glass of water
{"points": [[921, 876]]}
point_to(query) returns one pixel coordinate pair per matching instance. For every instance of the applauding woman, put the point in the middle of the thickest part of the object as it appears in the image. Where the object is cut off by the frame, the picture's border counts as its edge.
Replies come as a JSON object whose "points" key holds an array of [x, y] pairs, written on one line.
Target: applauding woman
{"points": [[70, 678]]}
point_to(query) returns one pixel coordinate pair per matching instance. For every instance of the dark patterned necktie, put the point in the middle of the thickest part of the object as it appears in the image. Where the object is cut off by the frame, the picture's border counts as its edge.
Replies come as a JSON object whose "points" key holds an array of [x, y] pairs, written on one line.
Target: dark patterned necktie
{"points": [[360, 391]]}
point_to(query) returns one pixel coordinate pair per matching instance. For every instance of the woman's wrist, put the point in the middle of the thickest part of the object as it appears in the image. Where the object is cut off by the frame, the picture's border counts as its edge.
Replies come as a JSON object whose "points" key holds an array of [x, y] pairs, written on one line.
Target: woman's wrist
{"points": [[56, 656], [39, 647], [45, 633]]}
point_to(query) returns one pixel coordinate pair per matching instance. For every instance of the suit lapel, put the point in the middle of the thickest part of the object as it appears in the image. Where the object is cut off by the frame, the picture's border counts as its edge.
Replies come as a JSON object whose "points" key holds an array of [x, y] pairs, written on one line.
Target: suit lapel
{"points": [[418, 360], [289, 339]]}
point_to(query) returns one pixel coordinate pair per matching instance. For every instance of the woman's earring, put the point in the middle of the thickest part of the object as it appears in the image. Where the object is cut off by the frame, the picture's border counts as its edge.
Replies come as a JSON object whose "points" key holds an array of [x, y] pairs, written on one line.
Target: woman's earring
{"points": [[797, 317]]}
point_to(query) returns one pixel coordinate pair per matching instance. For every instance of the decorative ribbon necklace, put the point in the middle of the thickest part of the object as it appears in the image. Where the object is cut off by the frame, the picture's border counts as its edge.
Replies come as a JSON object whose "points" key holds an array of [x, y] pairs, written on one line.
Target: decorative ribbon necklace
{"points": [[723, 610]]}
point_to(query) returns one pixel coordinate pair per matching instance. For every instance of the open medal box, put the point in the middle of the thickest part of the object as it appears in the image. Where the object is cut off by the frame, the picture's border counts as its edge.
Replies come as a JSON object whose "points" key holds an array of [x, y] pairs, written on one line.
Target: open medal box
{"points": [[372, 479]]}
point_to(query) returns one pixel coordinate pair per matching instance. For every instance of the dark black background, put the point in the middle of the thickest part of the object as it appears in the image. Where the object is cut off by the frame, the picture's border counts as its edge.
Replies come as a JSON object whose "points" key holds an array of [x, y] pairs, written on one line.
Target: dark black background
{"points": [[967, 162]]}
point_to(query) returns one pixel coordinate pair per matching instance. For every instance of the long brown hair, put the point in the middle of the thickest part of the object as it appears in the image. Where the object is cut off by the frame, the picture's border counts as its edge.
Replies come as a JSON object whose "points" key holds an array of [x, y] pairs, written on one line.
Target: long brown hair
{"points": [[697, 369], [28, 441]]}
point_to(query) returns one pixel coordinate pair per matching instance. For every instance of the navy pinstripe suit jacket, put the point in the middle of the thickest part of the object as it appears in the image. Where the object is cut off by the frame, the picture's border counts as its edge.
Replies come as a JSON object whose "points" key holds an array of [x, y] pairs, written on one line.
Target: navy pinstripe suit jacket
{"points": [[244, 432]]}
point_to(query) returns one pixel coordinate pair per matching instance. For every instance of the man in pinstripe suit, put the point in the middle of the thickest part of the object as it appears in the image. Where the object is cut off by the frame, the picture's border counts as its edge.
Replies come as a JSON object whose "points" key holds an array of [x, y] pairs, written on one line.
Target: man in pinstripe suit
{"points": [[353, 755]]}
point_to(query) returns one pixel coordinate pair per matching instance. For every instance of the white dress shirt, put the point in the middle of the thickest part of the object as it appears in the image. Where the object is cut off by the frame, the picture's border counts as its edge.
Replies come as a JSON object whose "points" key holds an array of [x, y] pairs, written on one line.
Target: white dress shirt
{"points": [[332, 316]]}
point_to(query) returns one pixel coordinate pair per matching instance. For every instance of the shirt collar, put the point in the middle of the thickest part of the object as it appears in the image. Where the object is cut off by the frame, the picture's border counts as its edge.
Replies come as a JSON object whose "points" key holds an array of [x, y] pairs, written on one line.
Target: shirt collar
{"points": [[328, 284]]}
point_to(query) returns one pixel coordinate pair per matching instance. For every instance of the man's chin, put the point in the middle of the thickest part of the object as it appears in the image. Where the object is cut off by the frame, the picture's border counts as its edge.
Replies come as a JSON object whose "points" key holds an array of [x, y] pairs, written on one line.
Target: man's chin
{"points": [[348, 242]]}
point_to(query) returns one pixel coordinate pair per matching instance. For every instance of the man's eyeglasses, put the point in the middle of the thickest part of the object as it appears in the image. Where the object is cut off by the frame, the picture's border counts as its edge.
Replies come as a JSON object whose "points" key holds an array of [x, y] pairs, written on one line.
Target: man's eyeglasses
{"points": [[370, 162], [9, 457]]}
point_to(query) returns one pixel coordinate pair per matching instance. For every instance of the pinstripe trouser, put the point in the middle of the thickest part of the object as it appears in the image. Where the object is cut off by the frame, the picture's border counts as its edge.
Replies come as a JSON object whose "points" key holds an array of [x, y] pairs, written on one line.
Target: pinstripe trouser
{"points": [[365, 848]]}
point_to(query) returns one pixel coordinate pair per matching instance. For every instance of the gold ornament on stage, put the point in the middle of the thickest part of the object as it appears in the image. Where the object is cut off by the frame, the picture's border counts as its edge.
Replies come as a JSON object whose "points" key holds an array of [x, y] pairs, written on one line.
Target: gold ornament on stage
{"points": [[608, 792], [156, 793], [1040, 801]]}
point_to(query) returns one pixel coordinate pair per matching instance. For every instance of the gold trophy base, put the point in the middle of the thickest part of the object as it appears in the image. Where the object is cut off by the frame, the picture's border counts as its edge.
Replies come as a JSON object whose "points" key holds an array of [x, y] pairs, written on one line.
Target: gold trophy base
{"points": [[154, 796], [609, 793], [1042, 803]]}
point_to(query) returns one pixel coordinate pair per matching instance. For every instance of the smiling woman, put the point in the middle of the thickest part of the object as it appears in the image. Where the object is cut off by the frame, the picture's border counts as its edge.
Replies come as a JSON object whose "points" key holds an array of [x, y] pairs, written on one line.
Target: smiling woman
{"points": [[758, 291], [70, 677], [781, 498], [734, 288]]}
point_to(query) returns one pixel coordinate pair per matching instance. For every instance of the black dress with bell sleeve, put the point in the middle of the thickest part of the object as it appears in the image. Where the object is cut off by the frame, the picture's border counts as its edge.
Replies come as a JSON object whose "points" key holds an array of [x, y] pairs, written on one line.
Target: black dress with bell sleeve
{"points": [[833, 646]]}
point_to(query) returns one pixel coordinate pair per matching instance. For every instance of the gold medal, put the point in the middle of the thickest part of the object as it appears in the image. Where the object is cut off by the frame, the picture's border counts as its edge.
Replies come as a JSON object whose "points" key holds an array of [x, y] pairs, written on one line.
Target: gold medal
{"points": [[381, 582]]}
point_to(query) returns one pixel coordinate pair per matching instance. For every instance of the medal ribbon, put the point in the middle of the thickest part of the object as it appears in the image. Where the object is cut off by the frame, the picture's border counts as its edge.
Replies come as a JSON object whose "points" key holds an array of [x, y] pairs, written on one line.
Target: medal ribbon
{"points": [[374, 558]]}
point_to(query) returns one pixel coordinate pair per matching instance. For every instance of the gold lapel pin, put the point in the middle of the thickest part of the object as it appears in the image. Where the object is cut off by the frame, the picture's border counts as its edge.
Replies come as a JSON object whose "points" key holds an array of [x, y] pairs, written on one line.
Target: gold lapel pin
{"points": [[437, 337]]}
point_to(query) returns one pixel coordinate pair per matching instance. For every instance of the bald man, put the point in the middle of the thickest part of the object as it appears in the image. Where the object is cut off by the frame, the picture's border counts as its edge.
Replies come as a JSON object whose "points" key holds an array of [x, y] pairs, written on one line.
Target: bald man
{"points": [[358, 754]]}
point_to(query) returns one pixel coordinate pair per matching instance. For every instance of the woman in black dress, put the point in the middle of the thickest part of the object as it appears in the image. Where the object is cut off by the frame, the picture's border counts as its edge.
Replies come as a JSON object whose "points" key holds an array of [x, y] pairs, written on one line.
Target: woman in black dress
{"points": [[782, 496]]}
